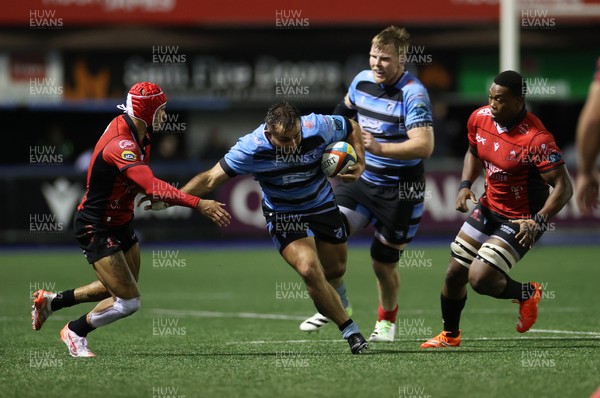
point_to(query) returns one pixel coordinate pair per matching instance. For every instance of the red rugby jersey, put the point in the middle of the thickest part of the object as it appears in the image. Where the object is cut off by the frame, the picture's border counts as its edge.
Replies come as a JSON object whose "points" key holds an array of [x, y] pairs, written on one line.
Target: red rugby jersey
{"points": [[514, 161], [110, 195], [118, 171]]}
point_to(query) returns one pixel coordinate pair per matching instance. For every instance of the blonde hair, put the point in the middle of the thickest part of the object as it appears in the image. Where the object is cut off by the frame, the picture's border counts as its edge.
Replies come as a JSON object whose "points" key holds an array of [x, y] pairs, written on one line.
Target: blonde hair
{"points": [[399, 38]]}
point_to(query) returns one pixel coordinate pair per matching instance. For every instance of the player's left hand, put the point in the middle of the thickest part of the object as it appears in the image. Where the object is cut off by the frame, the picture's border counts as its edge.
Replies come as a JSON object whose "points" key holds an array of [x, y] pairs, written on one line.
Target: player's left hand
{"points": [[154, 204], [370, 143], [528, 229], [353, 173]]}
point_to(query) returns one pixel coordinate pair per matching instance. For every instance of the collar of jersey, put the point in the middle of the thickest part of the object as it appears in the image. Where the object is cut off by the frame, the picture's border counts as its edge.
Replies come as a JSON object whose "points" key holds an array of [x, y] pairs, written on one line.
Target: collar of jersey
{"points": [[511, 125]]}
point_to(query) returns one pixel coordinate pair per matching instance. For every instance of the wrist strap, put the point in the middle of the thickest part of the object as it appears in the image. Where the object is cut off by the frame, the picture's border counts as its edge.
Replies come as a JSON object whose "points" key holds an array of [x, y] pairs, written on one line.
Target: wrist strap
{"points": [[465, 184]]}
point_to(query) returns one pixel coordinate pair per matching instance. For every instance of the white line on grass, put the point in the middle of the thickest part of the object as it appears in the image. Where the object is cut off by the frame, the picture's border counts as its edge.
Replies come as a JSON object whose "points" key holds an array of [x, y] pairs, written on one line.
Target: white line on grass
{"points": [[217, 314], [563, 332], [284, 317]]}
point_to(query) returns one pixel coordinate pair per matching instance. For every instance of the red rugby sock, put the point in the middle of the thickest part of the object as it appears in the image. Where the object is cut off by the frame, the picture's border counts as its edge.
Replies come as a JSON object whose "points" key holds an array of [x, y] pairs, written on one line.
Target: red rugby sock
{"points": [[387, 315]]}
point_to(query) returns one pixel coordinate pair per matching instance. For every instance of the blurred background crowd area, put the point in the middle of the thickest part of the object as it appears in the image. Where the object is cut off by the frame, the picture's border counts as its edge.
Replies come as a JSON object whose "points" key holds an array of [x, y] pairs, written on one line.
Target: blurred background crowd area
{"points": [[66, 64]]}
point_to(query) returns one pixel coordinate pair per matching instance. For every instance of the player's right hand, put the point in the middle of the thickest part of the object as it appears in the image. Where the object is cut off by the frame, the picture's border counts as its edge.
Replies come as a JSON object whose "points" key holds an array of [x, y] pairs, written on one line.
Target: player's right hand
{"points": [[461, 200], [214, 211], [154, 203]]}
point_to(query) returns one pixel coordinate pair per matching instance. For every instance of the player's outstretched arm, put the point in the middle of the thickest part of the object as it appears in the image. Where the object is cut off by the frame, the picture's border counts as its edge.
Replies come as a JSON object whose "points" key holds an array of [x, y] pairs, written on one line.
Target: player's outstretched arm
{"points": [[471, 170], [206, 181], [588, 148], [157, 189], [160, 191], [355, 139]]}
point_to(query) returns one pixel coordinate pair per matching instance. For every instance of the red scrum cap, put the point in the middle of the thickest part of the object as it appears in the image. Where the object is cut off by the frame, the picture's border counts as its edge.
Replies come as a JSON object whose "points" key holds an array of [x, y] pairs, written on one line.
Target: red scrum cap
{"points": [[143, 100]]}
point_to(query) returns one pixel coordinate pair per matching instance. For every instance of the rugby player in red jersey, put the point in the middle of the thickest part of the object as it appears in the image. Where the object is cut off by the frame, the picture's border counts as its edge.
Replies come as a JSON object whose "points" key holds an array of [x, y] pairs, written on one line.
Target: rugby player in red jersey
{"points": [[118, 171], [521, 161]]}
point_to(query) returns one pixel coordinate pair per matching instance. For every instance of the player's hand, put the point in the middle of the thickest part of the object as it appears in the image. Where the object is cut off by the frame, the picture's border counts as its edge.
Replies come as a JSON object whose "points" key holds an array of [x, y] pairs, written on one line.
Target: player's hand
{"points": [[353, 173], [461, 200], [214, 211], [370, 143], [154, 204], [528, 229], [586, 192]]}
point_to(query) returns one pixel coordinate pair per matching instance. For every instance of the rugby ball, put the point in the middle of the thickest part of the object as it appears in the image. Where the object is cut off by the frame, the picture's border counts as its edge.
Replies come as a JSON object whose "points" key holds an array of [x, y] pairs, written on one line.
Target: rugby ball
{"points": [[337, 158]]}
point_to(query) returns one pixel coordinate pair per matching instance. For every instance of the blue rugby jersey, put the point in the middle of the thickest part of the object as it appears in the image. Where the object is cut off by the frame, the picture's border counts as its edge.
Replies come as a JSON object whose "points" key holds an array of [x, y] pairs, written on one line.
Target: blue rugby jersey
{"points": [[388, 112], [291, 180]]}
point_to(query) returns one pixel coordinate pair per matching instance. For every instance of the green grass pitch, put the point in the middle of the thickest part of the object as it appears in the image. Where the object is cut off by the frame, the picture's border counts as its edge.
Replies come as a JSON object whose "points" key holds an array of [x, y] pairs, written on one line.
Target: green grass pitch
{"points": [[224, 323]]}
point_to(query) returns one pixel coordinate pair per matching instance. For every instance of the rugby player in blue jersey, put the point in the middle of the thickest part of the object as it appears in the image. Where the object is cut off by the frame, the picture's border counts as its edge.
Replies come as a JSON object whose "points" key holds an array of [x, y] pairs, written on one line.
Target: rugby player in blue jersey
{"points": [[394, 113], [284, 156]]}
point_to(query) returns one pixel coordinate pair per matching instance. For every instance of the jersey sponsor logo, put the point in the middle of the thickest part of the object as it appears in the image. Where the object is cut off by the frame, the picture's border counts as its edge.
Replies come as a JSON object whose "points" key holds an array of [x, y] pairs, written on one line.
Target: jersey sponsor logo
{"points": [[126, 144], [128, 155], [480, 139], [496, 146], [369, 124], [484, 112], [495, 172]]}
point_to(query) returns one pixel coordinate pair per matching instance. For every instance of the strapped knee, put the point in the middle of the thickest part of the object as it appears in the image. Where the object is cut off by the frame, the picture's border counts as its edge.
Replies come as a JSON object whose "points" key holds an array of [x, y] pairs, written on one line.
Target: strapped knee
{"points": [[497, 257], [120, 309], [463, 252], [127, 307], [384, 253]]}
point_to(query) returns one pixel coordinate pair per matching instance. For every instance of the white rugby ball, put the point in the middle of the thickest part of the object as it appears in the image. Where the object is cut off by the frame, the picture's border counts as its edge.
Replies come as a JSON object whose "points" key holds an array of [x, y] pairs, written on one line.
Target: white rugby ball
{"points": [[337, 158]]}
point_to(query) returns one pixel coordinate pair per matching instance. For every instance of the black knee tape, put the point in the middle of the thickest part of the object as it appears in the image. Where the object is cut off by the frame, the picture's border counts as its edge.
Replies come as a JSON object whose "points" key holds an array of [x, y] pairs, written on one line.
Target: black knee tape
{"points": [[384, 253]]}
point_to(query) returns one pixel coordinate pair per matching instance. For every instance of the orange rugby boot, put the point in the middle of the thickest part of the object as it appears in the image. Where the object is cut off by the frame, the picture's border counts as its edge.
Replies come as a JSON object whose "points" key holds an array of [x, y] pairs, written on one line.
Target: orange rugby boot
{"points": [[528, 309], [442, 340]]}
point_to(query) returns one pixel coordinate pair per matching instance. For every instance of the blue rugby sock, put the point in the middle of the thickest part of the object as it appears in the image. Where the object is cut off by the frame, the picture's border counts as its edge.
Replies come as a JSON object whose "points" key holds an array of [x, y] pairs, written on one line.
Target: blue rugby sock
{"points": [[342, 293], [348, 328]]}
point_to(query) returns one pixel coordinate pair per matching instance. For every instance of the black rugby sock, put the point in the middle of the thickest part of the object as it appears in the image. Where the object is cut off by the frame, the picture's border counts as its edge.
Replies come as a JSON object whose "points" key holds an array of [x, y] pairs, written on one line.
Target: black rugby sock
{"points": [[451, 310], [517, 290], [80, 326], [63, 300]]}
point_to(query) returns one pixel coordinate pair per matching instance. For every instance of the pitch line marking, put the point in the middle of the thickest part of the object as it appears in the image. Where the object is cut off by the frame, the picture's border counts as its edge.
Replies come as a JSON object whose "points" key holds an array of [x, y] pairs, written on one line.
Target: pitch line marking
{"points": [[563, 332], [217, 314]]}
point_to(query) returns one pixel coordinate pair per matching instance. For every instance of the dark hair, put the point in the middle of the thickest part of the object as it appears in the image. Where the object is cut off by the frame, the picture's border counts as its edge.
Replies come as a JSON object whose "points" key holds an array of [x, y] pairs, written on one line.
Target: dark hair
{"points": [[513, 81], [283, 114]]}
